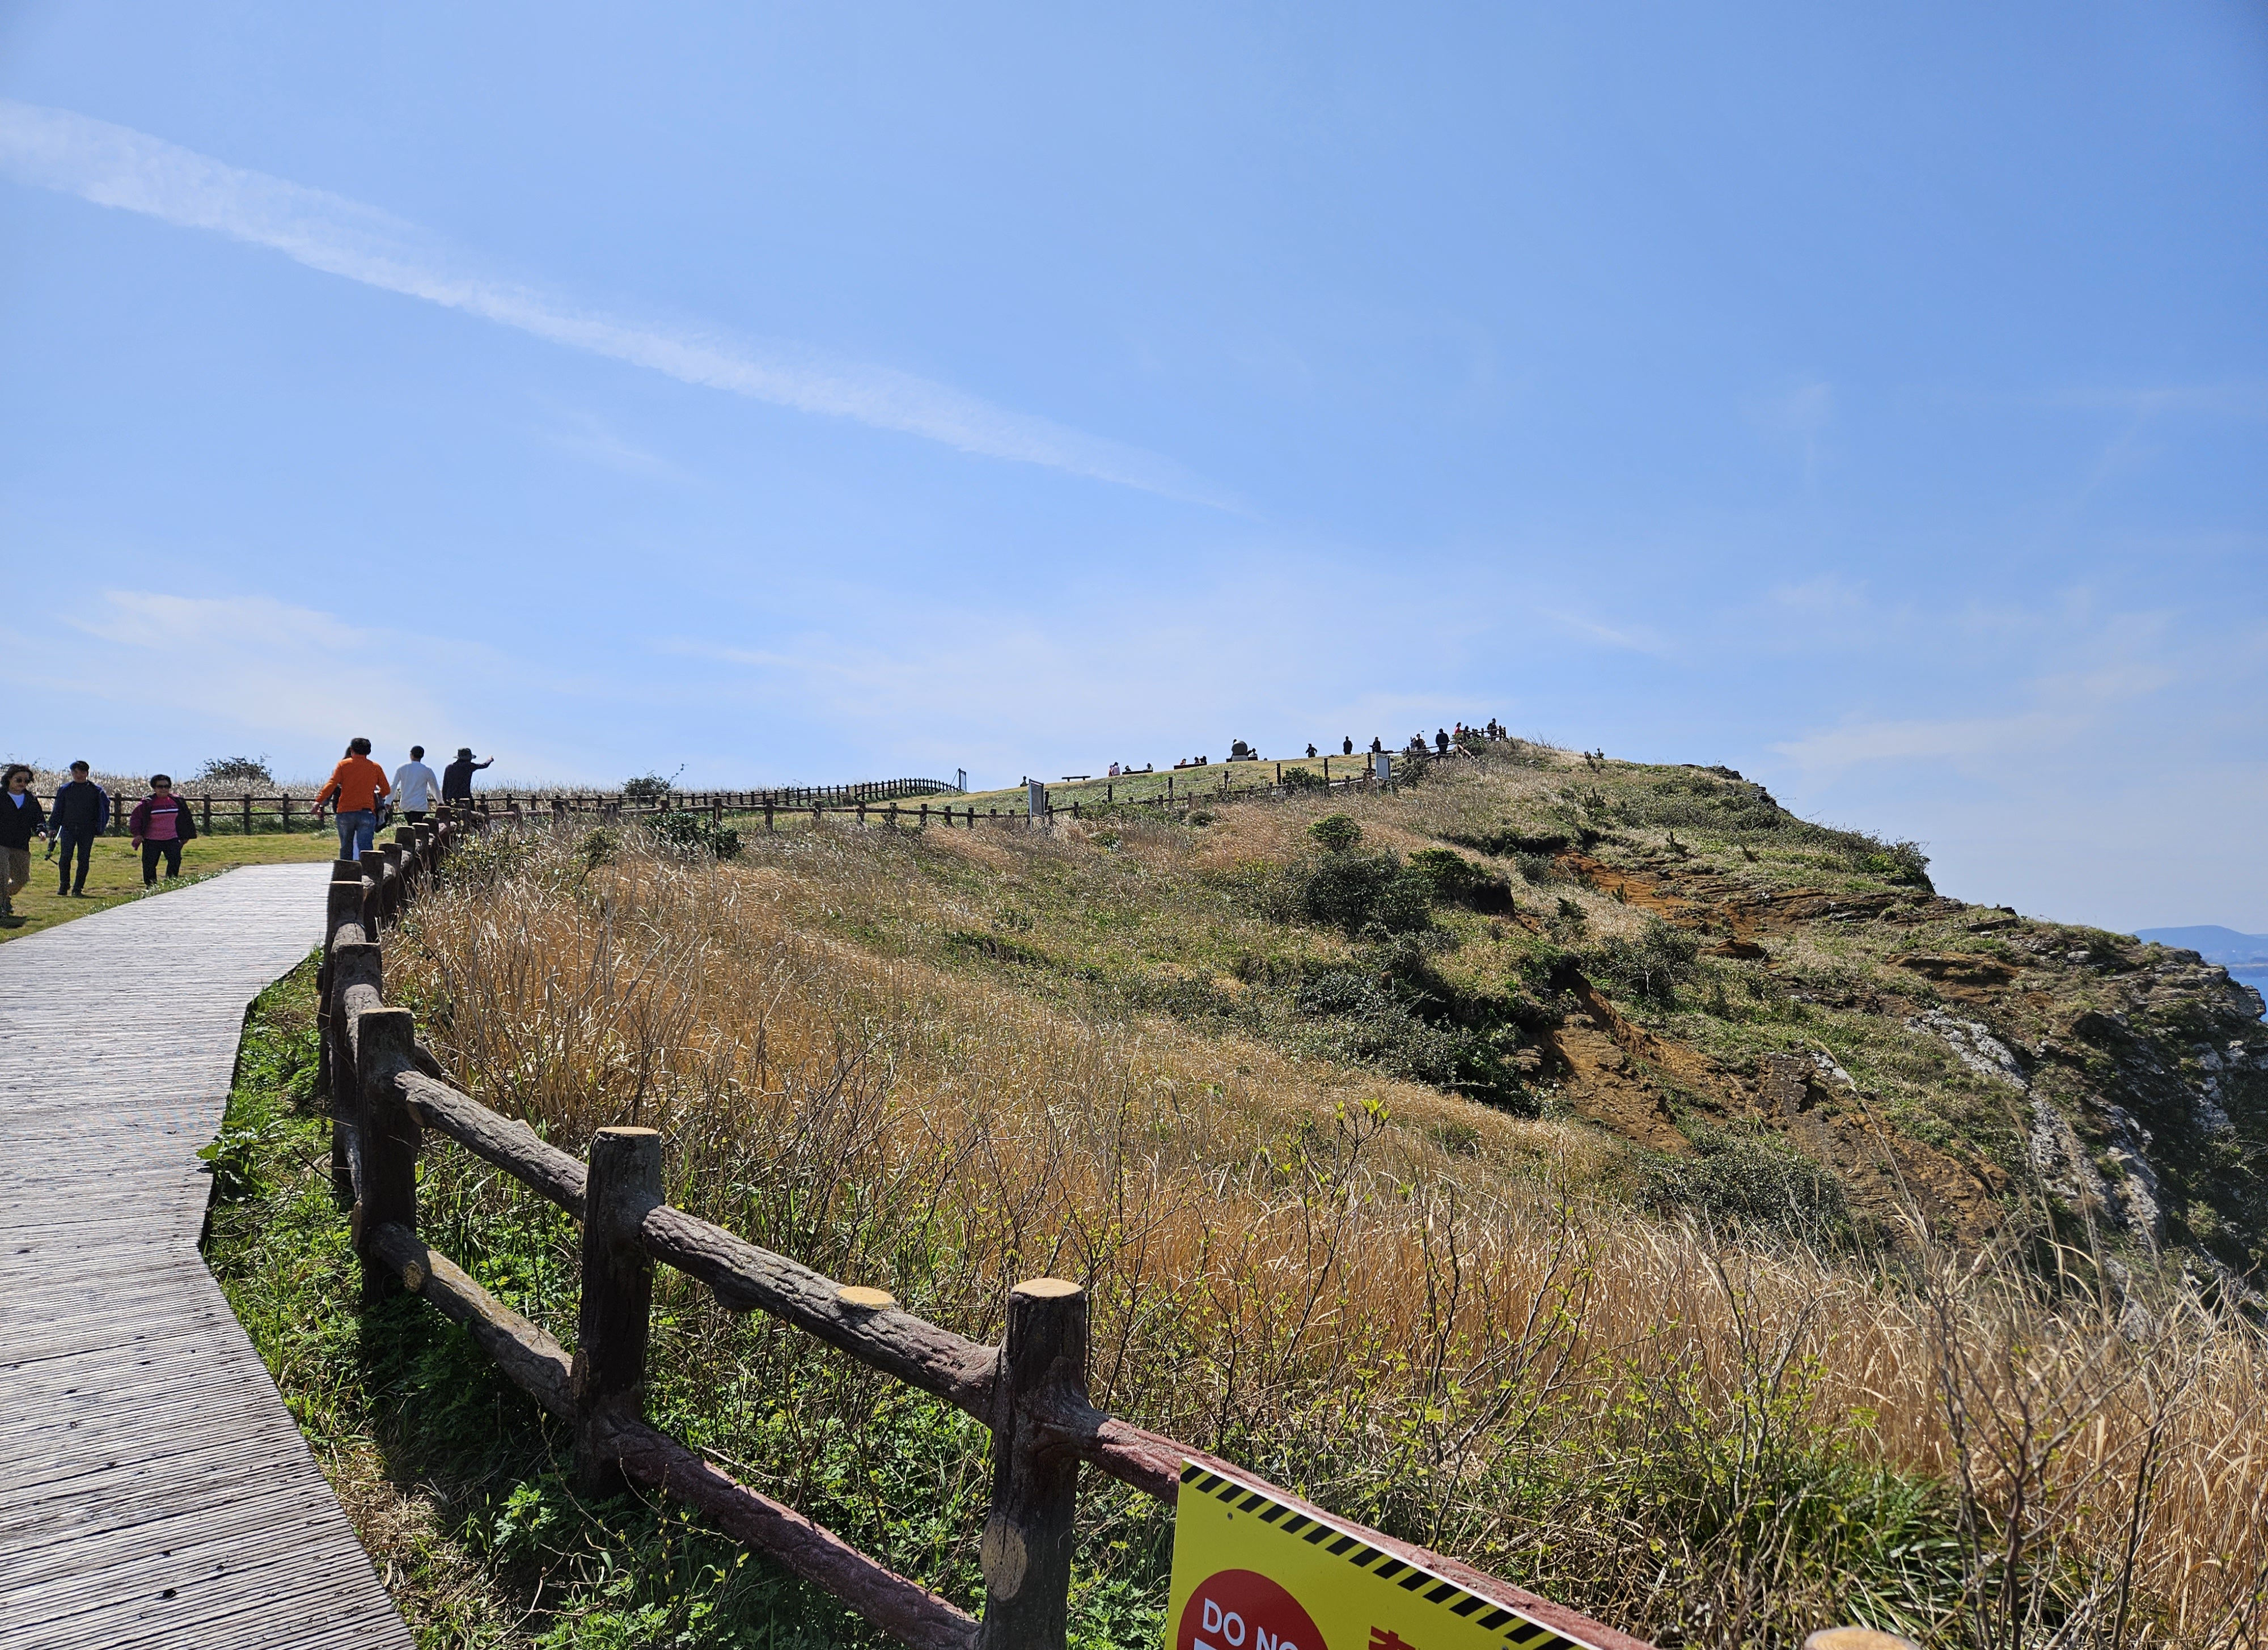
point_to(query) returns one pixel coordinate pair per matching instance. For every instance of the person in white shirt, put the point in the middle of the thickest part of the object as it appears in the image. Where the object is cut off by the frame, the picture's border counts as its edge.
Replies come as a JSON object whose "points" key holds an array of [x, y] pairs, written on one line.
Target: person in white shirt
{"points": [[416, 785]]}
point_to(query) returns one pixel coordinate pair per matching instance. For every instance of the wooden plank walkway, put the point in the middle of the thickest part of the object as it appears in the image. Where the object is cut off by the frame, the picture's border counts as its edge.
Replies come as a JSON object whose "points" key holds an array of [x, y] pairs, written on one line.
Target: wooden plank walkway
{"points": [[153, 1488]]}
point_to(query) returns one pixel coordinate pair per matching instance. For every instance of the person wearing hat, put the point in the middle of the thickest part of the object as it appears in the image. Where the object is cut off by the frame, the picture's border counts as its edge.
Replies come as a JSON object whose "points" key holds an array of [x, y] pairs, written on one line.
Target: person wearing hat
{"points": [[457, 778]]}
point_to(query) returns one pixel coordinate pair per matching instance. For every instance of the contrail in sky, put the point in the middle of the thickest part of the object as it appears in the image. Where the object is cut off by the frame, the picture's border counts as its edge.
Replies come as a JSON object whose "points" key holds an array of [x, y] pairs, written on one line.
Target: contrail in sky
{"points": [[116, 166]]}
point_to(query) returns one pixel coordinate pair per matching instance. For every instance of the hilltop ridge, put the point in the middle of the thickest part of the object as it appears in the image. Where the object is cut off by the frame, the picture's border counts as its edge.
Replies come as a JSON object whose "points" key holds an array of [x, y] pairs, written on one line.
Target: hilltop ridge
{"points": [[1785, 1022]]}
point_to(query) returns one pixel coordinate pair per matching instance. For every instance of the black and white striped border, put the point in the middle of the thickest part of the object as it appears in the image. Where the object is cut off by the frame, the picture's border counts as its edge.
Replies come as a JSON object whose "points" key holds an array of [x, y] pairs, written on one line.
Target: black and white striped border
{"points": [[1518, 1631]]}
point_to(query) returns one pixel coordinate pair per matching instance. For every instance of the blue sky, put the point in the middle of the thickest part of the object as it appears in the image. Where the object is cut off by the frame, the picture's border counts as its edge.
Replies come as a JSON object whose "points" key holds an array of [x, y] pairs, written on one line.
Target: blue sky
{"points": [[1876, 405]]}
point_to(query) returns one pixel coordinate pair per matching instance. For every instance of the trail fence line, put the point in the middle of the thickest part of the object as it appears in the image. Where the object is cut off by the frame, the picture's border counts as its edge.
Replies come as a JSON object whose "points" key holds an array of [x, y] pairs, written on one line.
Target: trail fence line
{"points": [[386, 1090], [250, 810]]}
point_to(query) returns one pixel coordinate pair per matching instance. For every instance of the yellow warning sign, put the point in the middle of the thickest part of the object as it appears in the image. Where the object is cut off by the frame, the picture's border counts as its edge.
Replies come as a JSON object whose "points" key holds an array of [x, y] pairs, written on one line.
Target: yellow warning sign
{"points": [[1251, 1574]]}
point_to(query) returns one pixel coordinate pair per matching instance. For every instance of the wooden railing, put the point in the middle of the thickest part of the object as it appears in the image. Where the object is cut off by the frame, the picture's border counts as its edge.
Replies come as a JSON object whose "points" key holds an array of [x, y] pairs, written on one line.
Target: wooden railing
{"points": [[251, 811], [386, 1091]]}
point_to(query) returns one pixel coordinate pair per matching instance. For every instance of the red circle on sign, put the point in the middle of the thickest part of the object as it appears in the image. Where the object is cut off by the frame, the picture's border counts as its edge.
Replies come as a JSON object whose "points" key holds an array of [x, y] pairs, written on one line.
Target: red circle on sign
{"points": [[1242, 1610]]}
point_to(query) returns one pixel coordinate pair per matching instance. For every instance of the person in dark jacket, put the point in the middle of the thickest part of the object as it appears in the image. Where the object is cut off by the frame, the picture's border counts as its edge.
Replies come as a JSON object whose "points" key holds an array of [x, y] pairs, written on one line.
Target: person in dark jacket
{"points": [[82, 814], [457, 778], [20, 816], [161, 824]]}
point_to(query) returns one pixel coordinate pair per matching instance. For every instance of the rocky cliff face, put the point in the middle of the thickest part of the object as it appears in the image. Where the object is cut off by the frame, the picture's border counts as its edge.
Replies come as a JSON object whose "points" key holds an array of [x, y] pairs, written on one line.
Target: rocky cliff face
{"points": [[1959, 1059]]}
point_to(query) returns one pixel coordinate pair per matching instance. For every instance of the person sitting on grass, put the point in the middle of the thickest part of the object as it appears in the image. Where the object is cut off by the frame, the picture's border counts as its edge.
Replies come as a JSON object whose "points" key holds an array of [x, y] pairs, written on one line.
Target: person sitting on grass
{"points": [[356, 785], [20, 815], [160, 824]]}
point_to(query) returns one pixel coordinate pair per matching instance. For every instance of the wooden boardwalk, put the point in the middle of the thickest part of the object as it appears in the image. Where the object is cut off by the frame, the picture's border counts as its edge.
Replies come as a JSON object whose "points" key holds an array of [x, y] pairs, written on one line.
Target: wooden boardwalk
{"points": [[153, 1488]]}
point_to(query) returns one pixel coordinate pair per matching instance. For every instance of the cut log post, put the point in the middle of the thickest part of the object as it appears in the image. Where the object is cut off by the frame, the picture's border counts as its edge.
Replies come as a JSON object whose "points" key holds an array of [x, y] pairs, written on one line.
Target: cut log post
{"points": [[624, 1184], [388, 1137], [374, 877], [398, 895], [1026, 1549]]}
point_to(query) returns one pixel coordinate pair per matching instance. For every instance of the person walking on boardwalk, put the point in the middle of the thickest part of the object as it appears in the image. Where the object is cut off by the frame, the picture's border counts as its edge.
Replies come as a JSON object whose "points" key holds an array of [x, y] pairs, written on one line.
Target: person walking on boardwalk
{"points": [[20, 815], [161, 822], [414, 786], [356, 785], [457, 778], [82, 814]]}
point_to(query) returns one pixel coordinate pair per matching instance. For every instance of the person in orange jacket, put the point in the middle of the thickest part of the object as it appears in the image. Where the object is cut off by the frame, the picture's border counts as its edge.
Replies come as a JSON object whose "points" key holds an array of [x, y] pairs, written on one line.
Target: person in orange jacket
{"points": [[356, 786]]}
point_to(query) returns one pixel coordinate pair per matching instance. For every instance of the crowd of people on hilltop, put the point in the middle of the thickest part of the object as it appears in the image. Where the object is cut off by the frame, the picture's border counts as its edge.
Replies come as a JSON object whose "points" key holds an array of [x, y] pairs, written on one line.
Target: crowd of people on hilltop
{"points": [[358, 794], [1444, 739]]}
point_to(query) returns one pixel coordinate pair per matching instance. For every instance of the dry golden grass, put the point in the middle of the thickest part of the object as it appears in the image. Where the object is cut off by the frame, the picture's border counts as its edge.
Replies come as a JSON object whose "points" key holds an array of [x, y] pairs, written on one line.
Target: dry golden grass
{"points": [[1413, 1308]]}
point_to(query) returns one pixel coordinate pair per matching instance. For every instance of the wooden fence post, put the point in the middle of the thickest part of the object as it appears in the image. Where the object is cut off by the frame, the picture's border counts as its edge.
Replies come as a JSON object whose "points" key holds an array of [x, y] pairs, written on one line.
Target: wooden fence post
{"points": [[374, 913], [382, 1038], [609, 1370], [1027, 1551]]}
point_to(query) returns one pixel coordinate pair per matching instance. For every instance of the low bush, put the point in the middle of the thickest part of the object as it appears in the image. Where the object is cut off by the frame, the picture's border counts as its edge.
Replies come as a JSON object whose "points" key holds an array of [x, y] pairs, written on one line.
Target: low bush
{"points": [[1336, 832], [687, 833], [1652, 966], [242, 773], [1741, 1182], [1505, 840], [1351, 890], [1454, 880]]}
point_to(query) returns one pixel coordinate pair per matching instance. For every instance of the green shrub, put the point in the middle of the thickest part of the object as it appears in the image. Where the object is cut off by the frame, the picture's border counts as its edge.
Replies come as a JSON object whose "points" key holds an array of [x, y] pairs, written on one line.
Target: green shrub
{"points": [[598, 847], [1745, 1182], [1336, 832], [1507, 839], [241, 773], [1453, 879], [695, 834], [647, 789], [1304, 779], [1652, 965]]}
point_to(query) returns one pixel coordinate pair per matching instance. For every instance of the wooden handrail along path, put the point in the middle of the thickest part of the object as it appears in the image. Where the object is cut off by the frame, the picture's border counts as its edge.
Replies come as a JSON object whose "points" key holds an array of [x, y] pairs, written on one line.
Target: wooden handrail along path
{"points": [[154, 1491], [1030, 1391]]}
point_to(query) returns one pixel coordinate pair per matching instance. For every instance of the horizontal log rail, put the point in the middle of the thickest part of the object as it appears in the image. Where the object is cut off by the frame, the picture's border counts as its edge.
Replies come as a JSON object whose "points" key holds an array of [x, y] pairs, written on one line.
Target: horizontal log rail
{"points": [[248, 811], [387, 1091]]}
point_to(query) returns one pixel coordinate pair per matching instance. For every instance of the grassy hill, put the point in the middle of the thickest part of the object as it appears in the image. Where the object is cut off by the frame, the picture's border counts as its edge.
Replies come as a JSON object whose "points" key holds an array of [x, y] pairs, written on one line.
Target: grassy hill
{"points": [[1586, 1167]]}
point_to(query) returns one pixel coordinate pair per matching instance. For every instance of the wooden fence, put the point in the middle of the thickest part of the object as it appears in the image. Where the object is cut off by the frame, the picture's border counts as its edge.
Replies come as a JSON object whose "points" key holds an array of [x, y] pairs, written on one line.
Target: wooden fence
{"points": [[385, 1091], [251, 811]]}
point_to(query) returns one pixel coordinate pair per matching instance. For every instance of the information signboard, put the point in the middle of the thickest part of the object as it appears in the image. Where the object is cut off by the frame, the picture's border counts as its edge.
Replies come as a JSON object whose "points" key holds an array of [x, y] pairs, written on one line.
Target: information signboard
{"points": [[1251, 1574]]}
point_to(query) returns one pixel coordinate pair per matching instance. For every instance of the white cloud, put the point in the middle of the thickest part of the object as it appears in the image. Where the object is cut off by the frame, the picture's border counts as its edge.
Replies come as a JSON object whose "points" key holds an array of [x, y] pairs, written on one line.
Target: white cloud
{"points": [[117, 166], [1857, 743], [300, 676], [588, 437], [1631, 639]]}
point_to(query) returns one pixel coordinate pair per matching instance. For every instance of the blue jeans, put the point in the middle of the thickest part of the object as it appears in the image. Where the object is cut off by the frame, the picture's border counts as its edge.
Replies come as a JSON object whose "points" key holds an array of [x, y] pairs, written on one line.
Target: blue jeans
{"points": [[357, 831]]}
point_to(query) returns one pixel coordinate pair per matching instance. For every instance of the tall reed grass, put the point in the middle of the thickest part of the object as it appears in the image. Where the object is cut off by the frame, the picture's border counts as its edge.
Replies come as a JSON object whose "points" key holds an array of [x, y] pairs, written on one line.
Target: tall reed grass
{"points": [[1703, 1441]]}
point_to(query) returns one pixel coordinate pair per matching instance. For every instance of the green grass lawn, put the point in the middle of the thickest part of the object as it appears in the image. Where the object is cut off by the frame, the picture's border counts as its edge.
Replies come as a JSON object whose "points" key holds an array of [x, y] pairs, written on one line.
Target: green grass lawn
{"points": [[114, 873]]}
